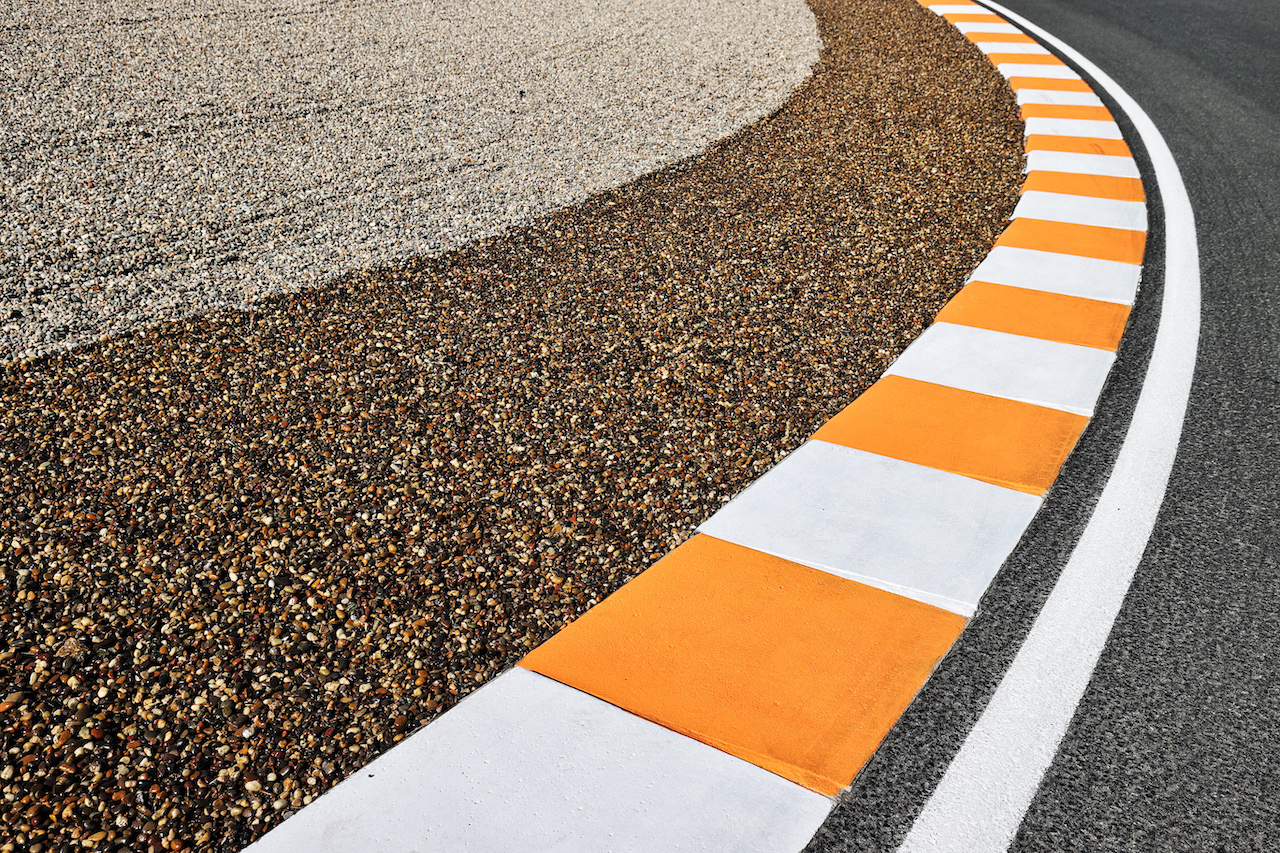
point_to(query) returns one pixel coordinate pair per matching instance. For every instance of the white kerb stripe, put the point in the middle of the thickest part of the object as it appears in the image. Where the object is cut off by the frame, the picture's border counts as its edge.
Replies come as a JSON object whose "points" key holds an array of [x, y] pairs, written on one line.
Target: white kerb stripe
{"points": [[984, 795], [1082, 210], [1045, 72], [1010, 47], [1090, 128], [1069, 275], [908, 529], [981, 27], [528, 765], [1058, 99], [958, 9], [1082, 164], [1016, 367]]}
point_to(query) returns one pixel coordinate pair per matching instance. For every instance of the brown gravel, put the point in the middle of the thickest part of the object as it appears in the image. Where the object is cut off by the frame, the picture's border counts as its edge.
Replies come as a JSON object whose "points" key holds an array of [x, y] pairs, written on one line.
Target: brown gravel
{"points": [[243, 555]]}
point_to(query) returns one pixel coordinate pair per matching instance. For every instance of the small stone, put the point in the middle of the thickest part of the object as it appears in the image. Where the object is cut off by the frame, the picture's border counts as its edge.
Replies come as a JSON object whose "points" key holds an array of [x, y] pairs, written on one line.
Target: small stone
{"points": [[71, 647]]}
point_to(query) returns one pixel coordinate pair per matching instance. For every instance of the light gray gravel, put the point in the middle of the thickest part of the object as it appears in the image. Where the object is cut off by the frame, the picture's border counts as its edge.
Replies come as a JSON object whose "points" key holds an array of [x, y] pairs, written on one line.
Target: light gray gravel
{"points": [[164, 157]]}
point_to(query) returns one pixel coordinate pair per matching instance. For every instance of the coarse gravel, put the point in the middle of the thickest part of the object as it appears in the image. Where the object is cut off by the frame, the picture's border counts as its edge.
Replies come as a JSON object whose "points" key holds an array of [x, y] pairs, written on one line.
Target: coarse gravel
{"points": [[166, 157], [246, 552]]}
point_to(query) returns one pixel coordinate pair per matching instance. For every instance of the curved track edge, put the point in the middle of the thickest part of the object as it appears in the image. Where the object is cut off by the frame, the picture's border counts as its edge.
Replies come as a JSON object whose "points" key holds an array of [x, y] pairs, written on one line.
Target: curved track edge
{"points": [[724, 696]]}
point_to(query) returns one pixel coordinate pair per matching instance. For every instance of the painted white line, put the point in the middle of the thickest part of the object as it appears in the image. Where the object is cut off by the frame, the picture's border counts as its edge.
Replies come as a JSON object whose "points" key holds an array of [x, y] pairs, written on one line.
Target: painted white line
{"points": [[1058, 99], [1082, 210], [927, 534], [526, 765], [1089, 128], [982, 798], [1011, 47], [1016, 367], [1069, 275], [1082, 164], [1044, 72]]}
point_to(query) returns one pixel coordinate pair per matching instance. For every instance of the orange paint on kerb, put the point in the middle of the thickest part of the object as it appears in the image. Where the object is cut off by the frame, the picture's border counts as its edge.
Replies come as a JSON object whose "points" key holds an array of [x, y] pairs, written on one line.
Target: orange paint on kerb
{"points": [[992, 37], [790, 668], [1056, 111], [1078, 145], [1097, 186], [1012, 444], [1090, 241], [1038, 314], [1049, 84], [1024, 58], [965, 17]]}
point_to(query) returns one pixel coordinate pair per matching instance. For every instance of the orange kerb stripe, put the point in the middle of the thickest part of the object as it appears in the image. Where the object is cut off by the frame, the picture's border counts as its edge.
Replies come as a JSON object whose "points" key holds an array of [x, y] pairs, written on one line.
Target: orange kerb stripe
{"points": [[1011, 444], [1025, 58], [1098, 186], [1038, 314], [792, 669], [1055, 111], [1078, 144], [1013, 37], [958, 17], [1048, 83], [1090, 241]]}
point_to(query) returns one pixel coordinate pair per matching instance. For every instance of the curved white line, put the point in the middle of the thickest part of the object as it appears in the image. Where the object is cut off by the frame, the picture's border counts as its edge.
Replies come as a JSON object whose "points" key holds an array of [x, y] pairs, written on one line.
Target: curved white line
{"points": [[982, 798]]}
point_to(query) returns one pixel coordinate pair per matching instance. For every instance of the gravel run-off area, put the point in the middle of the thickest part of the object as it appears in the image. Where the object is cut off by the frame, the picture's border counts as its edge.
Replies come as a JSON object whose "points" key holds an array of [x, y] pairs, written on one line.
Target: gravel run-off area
{"points": [[170, 157], [244, 552]]}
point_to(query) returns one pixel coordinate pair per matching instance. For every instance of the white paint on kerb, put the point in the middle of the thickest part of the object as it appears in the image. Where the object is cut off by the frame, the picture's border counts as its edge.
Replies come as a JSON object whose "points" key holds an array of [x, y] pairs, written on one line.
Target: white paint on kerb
{"points": [[1045, 72], [908, 529], [1069, 275], [527, 765], [1011, 47], [1089, 128], [1058, 99], [1016, 367], [981, 801], [1082, 210], [1082, 164], [967, 27]]}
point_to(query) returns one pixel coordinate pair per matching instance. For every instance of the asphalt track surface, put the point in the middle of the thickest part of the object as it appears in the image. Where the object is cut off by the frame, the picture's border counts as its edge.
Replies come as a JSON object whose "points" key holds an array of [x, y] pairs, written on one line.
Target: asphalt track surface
{"points": [[1174, 745]]}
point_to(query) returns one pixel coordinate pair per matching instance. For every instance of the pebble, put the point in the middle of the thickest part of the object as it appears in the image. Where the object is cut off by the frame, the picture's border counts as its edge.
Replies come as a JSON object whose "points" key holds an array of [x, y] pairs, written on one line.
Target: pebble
{"points": [[169, 158], [245, 552]]}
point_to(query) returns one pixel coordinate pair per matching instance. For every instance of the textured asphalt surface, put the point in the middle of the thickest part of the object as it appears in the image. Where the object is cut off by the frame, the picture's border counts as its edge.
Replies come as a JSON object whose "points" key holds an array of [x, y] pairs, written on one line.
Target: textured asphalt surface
{"points": [[1176, 744]]}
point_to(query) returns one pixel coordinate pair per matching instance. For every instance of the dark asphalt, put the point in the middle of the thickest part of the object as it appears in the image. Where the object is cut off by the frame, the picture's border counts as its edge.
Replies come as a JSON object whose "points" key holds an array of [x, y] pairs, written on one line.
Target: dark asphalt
{"points": [[1176, 744]]}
